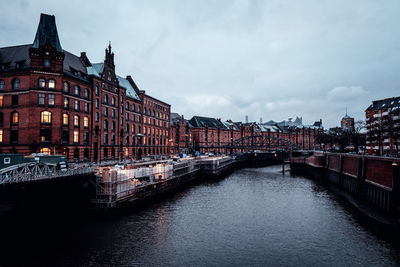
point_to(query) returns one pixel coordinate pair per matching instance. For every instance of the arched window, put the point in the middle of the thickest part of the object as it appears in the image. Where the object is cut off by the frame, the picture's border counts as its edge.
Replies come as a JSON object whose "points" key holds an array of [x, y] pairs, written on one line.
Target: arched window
{"points": [[66, 87], [76, 120], [42, 83], [15, 117], [97, 89], [52, 84], [1, 85], [85, 122], [65, 119], [45, 117], [15, 84]]}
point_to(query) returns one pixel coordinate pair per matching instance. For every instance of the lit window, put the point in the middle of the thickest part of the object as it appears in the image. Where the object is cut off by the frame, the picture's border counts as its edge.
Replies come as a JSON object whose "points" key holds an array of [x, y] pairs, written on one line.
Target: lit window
{"points": [[45, 117], [66, 87], [86, 122], [42, 83], [15, 84], [66, 103], [65, 119], [76, 120], [15, 117], [52, 84], [76, 136], [51, 100], [1, 85], [1, 135], [1, 101], [45, 150]]}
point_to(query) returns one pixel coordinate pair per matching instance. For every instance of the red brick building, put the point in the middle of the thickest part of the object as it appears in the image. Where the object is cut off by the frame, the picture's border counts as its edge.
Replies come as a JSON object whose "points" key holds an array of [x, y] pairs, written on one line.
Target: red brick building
{"points": [[383, 127], [216, 136], [56, 102]]}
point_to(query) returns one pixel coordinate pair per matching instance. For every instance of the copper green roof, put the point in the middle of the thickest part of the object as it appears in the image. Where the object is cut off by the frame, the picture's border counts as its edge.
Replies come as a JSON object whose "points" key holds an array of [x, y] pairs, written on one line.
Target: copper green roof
{"points": [[47, 30]]}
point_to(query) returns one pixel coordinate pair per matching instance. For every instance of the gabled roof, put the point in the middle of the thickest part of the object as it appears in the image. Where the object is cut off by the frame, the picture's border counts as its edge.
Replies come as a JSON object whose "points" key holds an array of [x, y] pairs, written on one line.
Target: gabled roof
{"points": [[201, 122], [12, 54], [129, 89], [47, 31]]}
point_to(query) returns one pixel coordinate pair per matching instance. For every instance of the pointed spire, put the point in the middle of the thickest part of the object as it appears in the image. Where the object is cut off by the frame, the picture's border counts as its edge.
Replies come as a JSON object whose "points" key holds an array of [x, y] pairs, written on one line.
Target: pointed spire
{"points": [[109, 46], [47, 31]]}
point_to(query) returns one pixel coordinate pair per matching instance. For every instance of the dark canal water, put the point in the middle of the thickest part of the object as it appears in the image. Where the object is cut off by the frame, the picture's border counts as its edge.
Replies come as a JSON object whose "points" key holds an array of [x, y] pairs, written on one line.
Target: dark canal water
{"points": [[253, 217]]}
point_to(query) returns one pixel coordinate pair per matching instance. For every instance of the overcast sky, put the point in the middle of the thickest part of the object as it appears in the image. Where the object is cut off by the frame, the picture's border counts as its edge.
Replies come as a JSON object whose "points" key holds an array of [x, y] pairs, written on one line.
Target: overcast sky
{"points": [[228, 59]]}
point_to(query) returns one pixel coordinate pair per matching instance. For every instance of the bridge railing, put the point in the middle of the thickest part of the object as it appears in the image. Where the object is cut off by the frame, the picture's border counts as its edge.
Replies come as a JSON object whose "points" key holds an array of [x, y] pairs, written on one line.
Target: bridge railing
{"points": [[34, 171]]}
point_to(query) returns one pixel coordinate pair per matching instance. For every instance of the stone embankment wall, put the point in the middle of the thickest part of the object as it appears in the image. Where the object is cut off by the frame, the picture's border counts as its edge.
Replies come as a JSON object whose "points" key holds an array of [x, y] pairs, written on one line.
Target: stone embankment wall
{"points": [[374, 180]]}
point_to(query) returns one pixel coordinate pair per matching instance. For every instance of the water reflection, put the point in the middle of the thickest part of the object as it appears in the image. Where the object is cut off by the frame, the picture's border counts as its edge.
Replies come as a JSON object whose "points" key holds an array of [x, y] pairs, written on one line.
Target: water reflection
{"points": [[252, 217]]}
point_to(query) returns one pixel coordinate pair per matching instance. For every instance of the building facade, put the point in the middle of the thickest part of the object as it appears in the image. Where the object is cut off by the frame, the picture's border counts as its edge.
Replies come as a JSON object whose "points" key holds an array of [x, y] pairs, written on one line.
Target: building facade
{"points": [[383, 127], [347, 123], [55, 102]]}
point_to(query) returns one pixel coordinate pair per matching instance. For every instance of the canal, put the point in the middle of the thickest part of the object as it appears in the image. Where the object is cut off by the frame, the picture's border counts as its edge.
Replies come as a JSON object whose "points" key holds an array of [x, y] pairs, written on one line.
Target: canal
{"points": [[253, 217]]}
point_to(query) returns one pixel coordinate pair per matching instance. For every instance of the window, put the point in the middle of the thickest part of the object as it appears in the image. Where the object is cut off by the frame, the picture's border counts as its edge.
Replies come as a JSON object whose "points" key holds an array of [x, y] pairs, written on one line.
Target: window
{"points": [[52, 84], [113, 126], [1, 101], [97, 103], [122, 110], [76, 121], [113, 101], [46, 62], [66, 103], [1, 118], [76, 106], [14, 117], [105, 125], [97, 116], [105, 141], [14, 100], [76, 136], [113, 113], [113, 139], [42, 83], [66, 87], [41, 99], [127, 105], [86, 137], [97, 89], [105, 112], [1, 135], [105, 99], [86, 93], [45, 135], [86, 122], [65, 119], [65, 137], [109, 75], [133, 107], [15, 84], [45, 117], [51, 100], [87, 107], [76, 90], [127, 116], [1, 85], [14, 136]]}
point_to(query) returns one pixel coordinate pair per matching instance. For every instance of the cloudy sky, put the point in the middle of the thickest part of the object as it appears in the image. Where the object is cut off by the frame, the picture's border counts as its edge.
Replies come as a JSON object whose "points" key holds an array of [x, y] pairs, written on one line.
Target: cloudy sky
{"points": [[267, 58]]}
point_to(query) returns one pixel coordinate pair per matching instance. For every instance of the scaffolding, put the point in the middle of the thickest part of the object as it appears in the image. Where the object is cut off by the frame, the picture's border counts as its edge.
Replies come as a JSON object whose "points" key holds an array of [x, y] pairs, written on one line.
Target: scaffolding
{"points": [[118, 184]]}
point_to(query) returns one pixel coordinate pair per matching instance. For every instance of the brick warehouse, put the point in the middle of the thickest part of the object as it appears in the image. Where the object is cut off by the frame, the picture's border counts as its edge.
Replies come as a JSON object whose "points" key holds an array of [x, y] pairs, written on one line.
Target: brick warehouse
{"points": [[56, 102]]}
